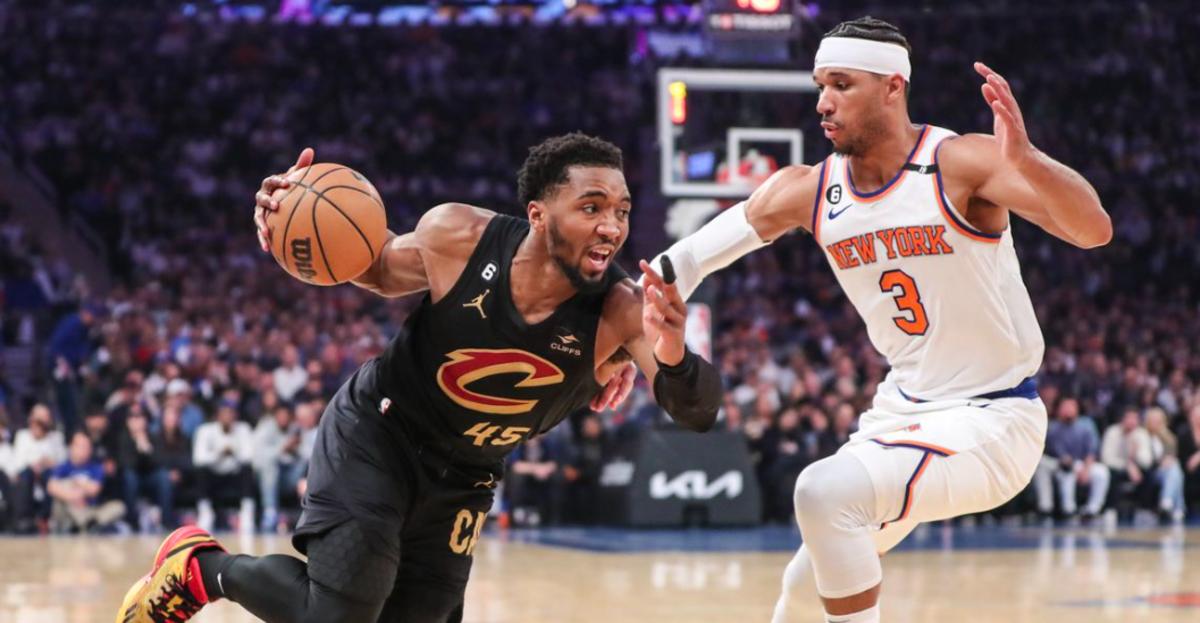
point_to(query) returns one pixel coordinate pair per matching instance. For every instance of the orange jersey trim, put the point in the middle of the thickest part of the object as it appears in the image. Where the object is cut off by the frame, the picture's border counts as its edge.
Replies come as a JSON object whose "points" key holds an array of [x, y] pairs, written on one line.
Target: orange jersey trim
{"points": [[887, 189], [952, 217], [820, 200]]}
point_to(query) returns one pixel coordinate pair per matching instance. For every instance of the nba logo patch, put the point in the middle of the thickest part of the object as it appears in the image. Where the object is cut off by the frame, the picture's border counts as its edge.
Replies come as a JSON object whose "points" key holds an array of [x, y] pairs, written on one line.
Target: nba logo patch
{"points": [[913, 428], [384, 404]]}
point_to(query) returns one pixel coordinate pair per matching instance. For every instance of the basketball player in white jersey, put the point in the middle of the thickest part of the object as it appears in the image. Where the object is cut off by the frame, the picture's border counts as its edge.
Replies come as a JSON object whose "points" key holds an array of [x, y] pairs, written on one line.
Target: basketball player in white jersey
{"points": [[914, 220]]}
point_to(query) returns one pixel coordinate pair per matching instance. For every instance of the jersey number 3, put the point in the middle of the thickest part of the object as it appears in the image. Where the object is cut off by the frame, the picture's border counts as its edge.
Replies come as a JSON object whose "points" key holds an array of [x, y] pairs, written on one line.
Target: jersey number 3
{"points": [[908, 299]]}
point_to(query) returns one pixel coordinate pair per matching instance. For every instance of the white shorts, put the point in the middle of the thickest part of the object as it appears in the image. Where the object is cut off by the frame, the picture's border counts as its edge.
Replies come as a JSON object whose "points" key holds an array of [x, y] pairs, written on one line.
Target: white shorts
{"points": [[935, 460]]}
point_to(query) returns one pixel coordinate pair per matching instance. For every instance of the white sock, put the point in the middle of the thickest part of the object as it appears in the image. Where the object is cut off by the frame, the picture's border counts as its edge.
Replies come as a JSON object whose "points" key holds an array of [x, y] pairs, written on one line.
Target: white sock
{"points": [[870, 615], [246, 520], [799, 592], [205, 517]]}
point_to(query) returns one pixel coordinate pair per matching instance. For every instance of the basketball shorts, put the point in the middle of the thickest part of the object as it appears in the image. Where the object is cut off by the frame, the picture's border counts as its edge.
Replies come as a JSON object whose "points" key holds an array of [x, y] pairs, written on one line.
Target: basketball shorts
{"points": [[421, 513], [936, 460]]}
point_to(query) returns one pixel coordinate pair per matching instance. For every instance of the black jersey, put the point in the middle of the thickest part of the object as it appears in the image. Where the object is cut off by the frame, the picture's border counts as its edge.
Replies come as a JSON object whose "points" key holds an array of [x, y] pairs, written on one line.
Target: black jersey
{"points": [[470, 374]]}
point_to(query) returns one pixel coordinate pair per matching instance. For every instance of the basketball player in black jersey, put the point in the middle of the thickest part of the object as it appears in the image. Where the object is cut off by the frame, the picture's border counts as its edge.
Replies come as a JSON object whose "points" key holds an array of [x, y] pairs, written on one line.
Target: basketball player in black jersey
{"points": [[518, 320]]}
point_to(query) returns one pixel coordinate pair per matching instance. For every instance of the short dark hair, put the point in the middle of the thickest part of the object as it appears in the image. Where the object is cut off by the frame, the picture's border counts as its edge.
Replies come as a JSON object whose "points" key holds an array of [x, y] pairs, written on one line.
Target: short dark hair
{"points": [[548, 163], [871, 29]]}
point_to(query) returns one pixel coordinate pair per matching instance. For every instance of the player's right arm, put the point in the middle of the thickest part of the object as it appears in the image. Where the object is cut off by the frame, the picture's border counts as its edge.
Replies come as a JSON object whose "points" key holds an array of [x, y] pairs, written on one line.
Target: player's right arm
{"points": [[430, 257], [783, 203], [648, 324]]}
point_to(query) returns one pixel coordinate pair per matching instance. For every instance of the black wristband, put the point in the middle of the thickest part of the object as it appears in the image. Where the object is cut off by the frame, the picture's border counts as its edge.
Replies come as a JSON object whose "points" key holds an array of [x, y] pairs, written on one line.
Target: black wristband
{"points": [[681, 369], [690, 391]]}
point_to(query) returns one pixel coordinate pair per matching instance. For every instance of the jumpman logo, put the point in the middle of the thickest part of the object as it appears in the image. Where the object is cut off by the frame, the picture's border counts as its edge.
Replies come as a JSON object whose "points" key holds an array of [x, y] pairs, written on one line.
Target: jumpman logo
{"points": [[477, 302]]}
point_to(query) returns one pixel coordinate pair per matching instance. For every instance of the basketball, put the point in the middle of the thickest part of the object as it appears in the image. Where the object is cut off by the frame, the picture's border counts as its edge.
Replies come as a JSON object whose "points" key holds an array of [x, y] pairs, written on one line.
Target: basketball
{"points": [[330, 225]]}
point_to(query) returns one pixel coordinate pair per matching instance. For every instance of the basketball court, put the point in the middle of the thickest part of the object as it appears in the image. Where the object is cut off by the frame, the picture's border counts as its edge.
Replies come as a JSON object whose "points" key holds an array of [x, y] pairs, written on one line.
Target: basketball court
{"points": [[602, 575]]}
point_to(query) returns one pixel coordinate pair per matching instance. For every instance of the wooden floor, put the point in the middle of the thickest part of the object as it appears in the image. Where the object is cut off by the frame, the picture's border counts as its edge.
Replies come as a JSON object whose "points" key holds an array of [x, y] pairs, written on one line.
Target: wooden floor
{"points": [[1059, 576]]}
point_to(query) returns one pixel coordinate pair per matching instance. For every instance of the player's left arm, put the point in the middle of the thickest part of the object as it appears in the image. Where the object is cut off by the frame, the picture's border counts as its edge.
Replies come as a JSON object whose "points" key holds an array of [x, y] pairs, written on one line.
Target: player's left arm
{"points": [[651, 322], [1008, 171]]}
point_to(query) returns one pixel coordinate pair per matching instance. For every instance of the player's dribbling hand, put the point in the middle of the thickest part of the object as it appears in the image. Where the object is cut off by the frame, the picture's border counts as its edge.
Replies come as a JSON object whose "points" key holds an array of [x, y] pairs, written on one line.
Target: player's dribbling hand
{"points": [[664, 315], [262, 199], [616, 390], [1008, 125]]}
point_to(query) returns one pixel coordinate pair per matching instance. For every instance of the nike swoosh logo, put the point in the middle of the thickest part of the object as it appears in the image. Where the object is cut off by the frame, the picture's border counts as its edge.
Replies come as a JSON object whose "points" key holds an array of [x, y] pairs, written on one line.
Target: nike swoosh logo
{"points": [[833, 215]]}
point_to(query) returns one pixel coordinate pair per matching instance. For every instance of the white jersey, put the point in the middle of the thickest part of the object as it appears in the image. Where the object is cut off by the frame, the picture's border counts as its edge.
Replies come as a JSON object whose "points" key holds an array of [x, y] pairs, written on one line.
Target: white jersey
{"points": [[942, 301]]}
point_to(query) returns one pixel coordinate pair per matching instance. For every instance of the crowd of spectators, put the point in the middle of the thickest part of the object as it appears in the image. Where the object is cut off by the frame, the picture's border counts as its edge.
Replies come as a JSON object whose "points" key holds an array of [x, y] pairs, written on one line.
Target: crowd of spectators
{"points": [[191, 390]]}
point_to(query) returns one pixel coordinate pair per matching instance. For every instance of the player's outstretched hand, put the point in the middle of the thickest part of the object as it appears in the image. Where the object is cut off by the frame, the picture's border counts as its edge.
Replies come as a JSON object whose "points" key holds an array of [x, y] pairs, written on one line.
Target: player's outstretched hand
{"points": [[616, 390], [1008, 125], [664, 313], [262, 199]]}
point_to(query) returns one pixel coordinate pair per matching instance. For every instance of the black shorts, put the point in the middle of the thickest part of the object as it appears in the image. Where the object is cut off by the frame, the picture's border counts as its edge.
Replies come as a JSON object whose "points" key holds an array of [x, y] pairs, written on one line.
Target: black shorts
{"points": [[417, 509]]}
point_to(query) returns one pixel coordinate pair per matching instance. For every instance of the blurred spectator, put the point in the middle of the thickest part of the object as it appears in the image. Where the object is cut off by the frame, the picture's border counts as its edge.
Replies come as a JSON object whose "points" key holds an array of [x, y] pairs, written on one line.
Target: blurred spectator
{"points": [[1189, 455], [845, 423], [8, 472], [1168, 475], [248, 381], [314, 387], [820, 440], [179, 397], [222, 453], [1126, 452], [268, 401], [290, 377], [127, 394], [308, 415], [584, 469], [70, 339], [97, 425], [143, 474], [276, 442], [534, 484], [68, 348], [784, 455], [175, 456], [1071, 453], [74, 487], [335, 367], [36, 451]]}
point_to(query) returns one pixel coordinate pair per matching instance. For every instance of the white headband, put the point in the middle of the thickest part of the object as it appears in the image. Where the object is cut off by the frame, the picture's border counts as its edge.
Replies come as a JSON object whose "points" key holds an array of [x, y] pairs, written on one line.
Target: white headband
{"points": [[876, 57]]}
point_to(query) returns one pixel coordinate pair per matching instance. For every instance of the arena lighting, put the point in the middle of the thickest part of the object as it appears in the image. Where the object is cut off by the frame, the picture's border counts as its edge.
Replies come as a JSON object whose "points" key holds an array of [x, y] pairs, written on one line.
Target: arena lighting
{"points": [[760, 6], [382, 4]]}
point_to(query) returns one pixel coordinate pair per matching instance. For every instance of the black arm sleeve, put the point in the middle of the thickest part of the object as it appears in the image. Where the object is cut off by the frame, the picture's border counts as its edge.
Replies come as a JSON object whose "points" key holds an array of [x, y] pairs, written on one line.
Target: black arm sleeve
{"points": [[690, 392]]}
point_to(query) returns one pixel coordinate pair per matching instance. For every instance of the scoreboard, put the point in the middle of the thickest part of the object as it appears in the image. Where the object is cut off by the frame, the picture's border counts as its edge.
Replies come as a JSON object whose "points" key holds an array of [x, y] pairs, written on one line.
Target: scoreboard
{"points": [[753, 31], [757, 19]]}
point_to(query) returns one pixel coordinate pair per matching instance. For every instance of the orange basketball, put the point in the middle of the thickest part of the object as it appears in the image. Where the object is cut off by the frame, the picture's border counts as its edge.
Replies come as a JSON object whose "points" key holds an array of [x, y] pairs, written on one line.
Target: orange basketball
{"points": [[330, 225]]}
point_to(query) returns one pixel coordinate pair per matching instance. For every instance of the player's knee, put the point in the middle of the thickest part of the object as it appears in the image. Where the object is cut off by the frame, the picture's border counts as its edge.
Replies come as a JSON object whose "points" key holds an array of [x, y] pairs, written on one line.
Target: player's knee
{"points": [[815, 495], [355, 563], [834, 490]]}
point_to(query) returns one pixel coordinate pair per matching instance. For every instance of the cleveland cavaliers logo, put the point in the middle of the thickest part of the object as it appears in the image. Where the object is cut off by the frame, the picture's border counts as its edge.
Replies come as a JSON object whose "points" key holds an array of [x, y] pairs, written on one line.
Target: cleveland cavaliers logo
{"points": [[467, 365]]}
